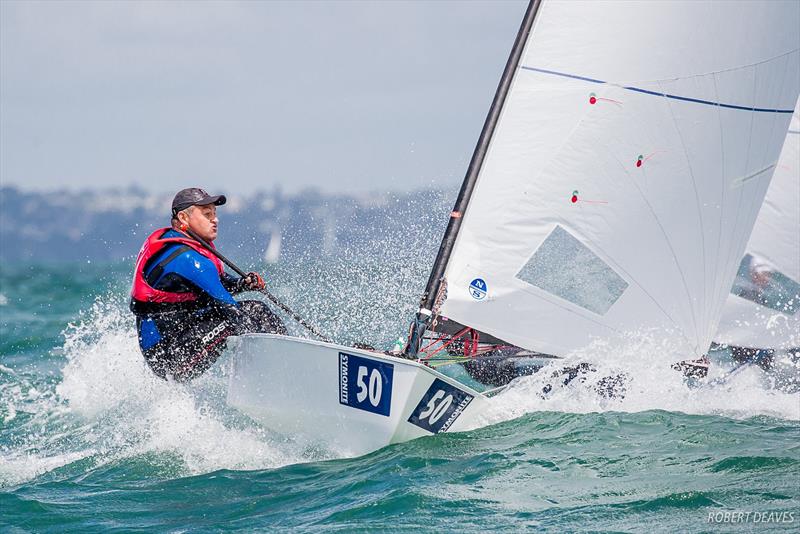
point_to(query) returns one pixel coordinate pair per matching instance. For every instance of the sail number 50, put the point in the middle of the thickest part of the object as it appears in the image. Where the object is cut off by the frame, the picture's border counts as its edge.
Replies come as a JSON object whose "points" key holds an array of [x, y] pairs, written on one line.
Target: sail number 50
{"points": [[439, 408], [365, 384], [436, 407], [373, 390]]}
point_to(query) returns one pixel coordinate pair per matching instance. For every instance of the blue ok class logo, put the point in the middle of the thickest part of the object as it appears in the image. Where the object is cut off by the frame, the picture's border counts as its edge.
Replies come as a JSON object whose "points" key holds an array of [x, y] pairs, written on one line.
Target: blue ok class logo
{"points": [[477, 288]]}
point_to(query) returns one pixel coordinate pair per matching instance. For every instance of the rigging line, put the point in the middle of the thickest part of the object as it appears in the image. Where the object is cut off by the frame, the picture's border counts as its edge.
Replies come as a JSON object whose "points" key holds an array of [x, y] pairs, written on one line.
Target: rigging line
{"points": [[656, 93], [699, 217], [453, 339]]}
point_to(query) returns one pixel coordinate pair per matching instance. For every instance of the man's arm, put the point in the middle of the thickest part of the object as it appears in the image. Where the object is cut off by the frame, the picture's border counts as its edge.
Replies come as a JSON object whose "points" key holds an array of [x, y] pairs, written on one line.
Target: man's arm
{"points": [[231, 283], [202, 273], [251, 282]]}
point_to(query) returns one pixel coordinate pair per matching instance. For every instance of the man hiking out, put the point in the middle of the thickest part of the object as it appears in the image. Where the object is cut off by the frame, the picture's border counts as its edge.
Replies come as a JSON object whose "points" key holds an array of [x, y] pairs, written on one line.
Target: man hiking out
{"points": [[182, 296]]}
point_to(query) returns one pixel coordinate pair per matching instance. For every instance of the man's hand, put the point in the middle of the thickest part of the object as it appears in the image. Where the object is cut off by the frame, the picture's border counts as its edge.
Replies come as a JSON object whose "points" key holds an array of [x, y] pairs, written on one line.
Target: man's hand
{"points": [[252, 282]]}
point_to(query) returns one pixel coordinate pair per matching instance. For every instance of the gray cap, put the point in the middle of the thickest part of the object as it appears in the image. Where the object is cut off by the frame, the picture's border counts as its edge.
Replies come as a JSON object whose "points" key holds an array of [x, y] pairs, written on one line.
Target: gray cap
{"points": [[194, 196]]}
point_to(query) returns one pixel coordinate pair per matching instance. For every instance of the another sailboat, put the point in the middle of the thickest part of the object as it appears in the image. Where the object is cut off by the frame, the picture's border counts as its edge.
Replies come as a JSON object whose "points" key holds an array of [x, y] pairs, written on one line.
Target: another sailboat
{"points": [[613, 189], [272, 254], [761, 317]]}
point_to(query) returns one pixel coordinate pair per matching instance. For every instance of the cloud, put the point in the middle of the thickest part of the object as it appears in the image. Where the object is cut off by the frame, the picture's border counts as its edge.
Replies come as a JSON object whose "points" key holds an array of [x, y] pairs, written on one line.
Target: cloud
{"points": [[332, 94]]}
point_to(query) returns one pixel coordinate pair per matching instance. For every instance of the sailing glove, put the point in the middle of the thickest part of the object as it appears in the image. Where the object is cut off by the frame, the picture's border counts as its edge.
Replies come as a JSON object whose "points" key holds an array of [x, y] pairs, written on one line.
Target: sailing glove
{"points": [[252, 281]]}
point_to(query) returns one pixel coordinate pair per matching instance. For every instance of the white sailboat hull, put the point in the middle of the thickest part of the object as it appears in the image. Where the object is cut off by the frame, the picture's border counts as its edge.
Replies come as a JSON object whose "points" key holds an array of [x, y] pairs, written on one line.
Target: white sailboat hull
{"points": [[349, 400]]}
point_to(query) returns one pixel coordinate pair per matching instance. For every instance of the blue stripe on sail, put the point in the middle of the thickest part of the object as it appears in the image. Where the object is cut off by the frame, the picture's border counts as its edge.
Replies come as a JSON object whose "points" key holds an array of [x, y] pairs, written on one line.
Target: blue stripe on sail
{"points": [[656, 93], [565, 75]]}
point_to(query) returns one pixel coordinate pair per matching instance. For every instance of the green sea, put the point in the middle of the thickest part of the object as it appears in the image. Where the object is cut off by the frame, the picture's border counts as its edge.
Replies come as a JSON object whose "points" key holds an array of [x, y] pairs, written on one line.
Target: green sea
{"points": [[91, 441]]}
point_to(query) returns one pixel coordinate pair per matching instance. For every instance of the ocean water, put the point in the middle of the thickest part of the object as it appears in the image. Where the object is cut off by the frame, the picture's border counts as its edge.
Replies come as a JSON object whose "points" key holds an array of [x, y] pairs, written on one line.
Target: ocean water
{"points": [[90, 441]]}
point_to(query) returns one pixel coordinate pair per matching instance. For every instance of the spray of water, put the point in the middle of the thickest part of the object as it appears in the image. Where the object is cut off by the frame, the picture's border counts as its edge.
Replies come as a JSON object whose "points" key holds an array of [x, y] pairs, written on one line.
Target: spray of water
{"points": [[105, 405], [633, 374], [101, 404], [110, 407]]}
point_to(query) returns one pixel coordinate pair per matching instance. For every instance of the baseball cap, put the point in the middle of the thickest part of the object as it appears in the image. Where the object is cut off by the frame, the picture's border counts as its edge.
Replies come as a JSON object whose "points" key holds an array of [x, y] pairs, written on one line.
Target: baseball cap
{"points": [[194, 196]]}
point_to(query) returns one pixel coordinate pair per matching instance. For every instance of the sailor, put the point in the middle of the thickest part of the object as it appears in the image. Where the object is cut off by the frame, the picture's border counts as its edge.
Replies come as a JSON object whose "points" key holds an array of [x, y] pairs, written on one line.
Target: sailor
{"points": [[183, 298]]}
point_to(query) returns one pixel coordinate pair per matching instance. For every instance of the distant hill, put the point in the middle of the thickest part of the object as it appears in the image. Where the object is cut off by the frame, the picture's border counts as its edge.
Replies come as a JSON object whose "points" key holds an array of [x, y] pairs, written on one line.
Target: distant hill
{"points": [[110, 225]]}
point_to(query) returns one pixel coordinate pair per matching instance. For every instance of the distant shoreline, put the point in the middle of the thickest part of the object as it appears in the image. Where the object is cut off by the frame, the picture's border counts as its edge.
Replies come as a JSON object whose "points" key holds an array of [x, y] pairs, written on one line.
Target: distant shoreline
{"points": [[110, 224]]}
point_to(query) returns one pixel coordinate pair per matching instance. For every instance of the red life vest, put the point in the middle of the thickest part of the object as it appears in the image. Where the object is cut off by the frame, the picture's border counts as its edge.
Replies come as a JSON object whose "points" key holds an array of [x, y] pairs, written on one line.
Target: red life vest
{"points": [[144, 292]]}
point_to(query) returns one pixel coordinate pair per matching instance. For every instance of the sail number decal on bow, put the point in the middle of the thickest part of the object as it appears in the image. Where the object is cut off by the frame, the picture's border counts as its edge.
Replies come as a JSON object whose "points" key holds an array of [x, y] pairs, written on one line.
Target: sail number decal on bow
{"points": [[440, 407], [365, 384]]}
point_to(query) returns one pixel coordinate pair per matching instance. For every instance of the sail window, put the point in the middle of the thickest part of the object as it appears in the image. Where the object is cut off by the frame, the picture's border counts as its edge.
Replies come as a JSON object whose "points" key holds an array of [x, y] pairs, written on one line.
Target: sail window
{"points": [[565, 267], [760, 283]]}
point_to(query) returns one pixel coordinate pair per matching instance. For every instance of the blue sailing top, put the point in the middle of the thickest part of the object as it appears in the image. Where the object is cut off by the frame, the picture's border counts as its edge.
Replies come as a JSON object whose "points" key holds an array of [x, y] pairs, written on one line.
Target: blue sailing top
{"points": [[185, 270]]}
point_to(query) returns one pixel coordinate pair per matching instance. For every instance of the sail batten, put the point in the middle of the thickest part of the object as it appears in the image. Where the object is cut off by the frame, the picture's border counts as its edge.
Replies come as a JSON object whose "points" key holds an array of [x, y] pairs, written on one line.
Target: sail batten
{"points": [[622, 179]]}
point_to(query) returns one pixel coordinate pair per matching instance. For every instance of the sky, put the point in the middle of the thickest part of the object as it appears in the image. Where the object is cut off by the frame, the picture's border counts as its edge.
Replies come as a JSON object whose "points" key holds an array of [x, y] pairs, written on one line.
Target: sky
{"points": [[337, 96]]}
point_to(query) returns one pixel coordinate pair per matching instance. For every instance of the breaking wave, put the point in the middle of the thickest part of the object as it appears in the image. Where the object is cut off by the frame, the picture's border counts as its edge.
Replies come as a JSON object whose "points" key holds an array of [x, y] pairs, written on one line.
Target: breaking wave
{"points": [[109, 407], [634, 374], [105, 406]]}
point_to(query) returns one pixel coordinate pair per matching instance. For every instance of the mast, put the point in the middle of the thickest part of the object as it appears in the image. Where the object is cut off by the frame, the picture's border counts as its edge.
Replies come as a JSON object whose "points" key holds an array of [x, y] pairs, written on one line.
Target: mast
{"points": [[424, 314]]}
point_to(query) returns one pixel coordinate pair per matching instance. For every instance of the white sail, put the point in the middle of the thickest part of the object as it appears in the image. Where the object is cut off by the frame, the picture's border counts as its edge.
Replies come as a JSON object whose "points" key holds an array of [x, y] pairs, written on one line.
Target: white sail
{"points": [[627, 169], [763, 310], [273, 252]]}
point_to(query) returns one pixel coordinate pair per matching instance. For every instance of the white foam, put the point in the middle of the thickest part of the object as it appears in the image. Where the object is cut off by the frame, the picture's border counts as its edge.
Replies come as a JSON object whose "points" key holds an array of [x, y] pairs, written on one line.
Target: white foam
{"points": [[17, 468], [112, 407], [650, 384]]}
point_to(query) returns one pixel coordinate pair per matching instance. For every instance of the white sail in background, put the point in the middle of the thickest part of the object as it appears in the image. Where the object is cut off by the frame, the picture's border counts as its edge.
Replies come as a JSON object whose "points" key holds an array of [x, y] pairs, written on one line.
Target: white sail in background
{"points": [[763, 310], [273, 252], [629, 164]]}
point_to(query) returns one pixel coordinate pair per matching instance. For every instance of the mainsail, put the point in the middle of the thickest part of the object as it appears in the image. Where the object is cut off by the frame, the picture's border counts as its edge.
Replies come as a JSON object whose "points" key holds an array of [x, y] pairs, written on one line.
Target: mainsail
{"points": [[763, 309], [619, 173]]}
